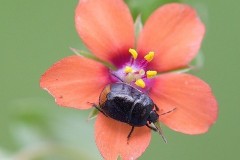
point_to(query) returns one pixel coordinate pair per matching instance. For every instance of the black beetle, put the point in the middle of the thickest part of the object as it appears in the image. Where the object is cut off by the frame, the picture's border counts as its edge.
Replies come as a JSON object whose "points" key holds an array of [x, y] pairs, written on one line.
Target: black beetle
{"points": [[127, 104]]}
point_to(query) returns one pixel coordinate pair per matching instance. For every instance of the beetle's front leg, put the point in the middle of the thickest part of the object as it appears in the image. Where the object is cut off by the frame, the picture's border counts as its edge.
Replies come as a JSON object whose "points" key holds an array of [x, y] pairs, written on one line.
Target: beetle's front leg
{"points": [[151, 127], [130, 133]]}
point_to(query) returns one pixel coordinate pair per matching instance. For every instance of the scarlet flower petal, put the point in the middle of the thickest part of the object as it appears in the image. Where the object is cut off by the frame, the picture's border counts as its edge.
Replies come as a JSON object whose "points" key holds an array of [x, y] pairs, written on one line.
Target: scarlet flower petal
{"points": [[111, 139], [174, 32], [196, 107], [105, 26], [74, 81]]}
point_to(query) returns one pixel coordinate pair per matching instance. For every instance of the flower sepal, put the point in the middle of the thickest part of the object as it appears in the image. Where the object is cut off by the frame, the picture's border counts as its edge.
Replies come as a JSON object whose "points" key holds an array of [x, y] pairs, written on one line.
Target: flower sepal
{"points": [[93, 114], [198, 61], [138, 26], [93, 57], [179, 70], [196, 64]]}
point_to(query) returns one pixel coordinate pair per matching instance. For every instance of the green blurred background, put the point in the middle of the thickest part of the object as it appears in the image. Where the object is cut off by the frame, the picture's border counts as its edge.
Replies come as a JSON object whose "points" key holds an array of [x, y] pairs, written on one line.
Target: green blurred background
{"points": [[36, 33]]}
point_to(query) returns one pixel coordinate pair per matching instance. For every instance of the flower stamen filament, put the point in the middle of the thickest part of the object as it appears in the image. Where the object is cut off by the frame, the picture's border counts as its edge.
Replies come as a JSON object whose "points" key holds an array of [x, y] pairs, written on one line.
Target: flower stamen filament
{"points": [[134, 71]]}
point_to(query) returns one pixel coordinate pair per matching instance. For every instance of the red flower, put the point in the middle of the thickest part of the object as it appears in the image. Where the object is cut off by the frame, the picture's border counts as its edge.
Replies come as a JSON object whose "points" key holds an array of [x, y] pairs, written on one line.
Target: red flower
{"points": [[169, 40]]}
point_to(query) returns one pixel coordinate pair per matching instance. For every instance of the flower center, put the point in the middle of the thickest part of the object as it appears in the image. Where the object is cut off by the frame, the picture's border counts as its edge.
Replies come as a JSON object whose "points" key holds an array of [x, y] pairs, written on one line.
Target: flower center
{"points": [[134, 72]]}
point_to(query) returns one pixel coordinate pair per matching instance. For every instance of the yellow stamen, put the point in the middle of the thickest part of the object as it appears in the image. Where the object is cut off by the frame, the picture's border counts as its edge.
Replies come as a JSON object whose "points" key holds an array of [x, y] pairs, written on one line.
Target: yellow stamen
{"points": [[151, 74], [133, 53], [149, 56], [128, 69], [140, 83]]}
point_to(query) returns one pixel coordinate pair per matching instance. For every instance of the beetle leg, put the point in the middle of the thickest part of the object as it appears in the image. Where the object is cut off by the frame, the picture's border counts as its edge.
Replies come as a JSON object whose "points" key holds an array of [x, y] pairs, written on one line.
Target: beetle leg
{"points": [[99, 109], [130, 133], [157, 109], [151, 127]]}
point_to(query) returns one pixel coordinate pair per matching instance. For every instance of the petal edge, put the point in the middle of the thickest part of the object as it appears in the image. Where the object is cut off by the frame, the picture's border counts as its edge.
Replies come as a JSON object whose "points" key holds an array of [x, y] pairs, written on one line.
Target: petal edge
{"points": [[174, 32], [196, 107], [74, 81], [111, 139], [105, 26]]}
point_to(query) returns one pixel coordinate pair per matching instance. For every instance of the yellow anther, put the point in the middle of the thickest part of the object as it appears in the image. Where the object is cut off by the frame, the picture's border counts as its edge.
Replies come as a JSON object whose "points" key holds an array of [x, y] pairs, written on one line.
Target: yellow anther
{"points": [[151, 74], [140, 83], [133, 53], [128, 69], [149, 56]]}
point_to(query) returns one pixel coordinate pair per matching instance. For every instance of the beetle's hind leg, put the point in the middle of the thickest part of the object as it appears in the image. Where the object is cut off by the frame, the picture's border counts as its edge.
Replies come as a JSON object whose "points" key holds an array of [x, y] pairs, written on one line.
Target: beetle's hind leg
{"points": [[130, 133], [98, 108], [151, 127]]}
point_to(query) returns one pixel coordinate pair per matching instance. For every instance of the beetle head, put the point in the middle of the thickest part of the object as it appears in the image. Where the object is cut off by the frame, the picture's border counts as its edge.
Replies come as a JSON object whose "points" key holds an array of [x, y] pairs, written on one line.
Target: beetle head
{"points": [[153, 116]]}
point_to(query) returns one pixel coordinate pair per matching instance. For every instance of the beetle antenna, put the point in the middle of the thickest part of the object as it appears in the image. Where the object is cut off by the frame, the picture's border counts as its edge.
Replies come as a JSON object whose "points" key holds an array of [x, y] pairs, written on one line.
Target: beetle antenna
{"points": [[168, 111], [159, 130], [117, 77]]}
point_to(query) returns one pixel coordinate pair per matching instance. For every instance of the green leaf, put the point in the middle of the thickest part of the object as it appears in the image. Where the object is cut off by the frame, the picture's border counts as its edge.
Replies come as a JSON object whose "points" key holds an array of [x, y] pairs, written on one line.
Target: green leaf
{"points": [[93, 57]]}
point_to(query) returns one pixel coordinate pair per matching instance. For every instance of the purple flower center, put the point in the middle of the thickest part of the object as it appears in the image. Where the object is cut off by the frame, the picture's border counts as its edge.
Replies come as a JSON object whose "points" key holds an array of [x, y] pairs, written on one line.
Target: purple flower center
{"points": [[134, 71]]}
